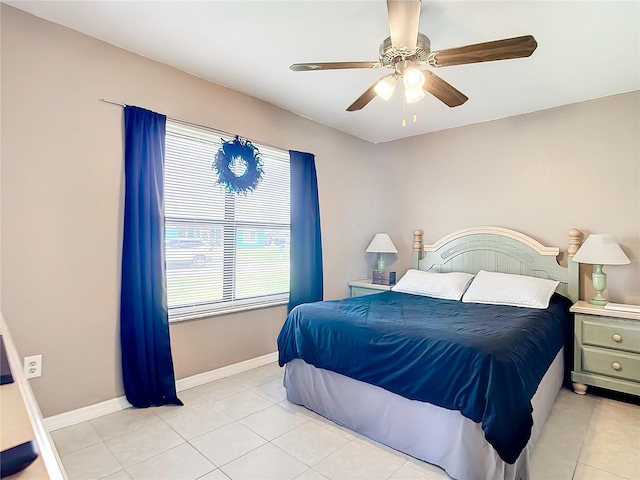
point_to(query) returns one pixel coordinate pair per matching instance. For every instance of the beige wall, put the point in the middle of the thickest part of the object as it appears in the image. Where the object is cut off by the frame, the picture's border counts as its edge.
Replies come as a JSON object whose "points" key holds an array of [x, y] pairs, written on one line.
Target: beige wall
{"points": [[541, 173], [61, 193]]}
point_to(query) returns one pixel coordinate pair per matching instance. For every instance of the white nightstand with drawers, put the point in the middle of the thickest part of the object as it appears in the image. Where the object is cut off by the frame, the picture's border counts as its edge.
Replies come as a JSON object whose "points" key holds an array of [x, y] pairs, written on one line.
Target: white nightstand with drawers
{"points": [[607, 349], [357, 288]]}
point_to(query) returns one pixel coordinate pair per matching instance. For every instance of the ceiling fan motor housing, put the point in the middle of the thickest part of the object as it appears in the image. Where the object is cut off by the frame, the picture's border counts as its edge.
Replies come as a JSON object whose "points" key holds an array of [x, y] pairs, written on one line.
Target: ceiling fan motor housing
{"points": [[390, 55]]}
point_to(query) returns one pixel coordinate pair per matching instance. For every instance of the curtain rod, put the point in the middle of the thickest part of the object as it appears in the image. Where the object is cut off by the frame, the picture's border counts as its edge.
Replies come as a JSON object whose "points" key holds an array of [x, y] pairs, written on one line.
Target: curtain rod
{"points": [[186, 122]]}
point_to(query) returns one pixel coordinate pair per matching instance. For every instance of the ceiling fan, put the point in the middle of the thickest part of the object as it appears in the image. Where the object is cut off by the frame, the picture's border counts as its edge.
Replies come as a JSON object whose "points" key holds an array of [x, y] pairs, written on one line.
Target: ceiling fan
{"points": [[406, 49]]}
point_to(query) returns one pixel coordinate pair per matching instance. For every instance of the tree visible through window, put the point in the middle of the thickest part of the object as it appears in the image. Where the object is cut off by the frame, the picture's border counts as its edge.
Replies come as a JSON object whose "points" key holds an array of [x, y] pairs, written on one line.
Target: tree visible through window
{"points": [[224, 252]]}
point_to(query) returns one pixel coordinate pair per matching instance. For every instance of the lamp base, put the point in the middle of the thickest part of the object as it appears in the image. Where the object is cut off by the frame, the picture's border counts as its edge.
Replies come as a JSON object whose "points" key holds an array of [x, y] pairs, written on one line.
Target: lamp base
{"points": [[381, 262], [598, 301], [599, 279]]}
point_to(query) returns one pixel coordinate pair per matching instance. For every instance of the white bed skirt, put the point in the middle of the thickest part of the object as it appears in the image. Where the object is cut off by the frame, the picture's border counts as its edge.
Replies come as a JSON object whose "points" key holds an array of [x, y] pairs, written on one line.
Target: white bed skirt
{"points": [[436, 435]]}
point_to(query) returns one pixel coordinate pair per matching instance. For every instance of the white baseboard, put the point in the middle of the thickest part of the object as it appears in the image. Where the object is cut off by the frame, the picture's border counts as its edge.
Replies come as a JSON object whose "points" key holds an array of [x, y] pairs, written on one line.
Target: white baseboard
{"points": [[89, 412], [85, 413], [222, 372]]}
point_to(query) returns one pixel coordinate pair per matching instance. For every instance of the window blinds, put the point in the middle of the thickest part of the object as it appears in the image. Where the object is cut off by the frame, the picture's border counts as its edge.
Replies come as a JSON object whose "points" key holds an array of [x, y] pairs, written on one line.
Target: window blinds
{"points": [[224, 252]]}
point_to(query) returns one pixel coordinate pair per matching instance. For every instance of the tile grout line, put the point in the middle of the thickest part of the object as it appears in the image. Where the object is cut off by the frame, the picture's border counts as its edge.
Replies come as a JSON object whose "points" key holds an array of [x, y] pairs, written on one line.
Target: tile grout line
{"points": [[596, 402]]}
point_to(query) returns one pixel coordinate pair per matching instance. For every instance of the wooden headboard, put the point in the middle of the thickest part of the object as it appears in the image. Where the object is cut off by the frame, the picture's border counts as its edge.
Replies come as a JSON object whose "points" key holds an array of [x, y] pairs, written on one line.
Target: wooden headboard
{"points": [[497, 249]]}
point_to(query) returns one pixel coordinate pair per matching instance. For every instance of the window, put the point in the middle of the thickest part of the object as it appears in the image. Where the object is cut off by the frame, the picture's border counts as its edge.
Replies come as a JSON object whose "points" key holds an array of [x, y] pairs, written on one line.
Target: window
{"points": [[224, 252]]}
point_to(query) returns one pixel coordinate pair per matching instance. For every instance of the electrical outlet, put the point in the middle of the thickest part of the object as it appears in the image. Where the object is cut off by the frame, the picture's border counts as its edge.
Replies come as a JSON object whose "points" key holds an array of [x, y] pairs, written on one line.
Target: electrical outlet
{"points": [[33, 366]]}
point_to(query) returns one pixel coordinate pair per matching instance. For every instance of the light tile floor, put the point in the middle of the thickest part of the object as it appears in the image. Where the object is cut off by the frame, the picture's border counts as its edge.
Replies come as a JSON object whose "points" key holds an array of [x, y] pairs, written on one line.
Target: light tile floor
{"points": [[242, 427]]}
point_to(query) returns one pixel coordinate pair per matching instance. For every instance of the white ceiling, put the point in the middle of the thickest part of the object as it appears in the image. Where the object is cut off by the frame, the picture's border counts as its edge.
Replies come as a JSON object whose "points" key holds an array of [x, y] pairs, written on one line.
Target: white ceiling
{"points": [[586, 50]]}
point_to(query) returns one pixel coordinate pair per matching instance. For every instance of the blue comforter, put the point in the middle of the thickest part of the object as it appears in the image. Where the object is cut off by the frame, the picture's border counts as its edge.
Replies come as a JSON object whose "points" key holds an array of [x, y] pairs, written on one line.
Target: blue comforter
{"points": [[484, 360]]}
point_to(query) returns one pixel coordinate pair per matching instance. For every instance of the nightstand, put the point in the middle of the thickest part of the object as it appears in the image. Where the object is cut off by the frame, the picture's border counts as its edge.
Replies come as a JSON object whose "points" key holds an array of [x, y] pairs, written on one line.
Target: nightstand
{"points": [[607, 349], [358, 288]]}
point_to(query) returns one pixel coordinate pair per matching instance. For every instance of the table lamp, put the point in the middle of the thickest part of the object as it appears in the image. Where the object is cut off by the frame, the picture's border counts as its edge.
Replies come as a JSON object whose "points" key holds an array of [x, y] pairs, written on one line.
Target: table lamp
{"points": [[599, 250], [381, 244]]}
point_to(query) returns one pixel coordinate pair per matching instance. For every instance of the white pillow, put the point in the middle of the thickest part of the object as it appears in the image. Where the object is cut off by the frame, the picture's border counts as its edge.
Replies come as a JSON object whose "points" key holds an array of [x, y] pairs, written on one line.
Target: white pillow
{"points": [[508, 289], [449, 286]]}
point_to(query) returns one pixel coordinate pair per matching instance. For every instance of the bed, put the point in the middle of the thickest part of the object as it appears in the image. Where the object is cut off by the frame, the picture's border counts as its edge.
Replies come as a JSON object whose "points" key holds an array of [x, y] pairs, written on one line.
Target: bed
{"points": [[463, 385]]}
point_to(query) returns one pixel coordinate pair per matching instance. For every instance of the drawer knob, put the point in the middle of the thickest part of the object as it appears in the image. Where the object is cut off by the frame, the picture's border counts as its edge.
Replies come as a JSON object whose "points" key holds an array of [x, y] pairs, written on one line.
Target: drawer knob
{"points": [[616, 366], [616, 337]]}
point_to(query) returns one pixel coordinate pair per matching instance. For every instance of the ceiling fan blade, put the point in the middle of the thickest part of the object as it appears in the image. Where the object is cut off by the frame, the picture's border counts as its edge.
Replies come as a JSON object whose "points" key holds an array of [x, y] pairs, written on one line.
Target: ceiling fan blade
{"points": [[365, 98], [404, 21], [303, 67], [516, 47], [442, 90]]}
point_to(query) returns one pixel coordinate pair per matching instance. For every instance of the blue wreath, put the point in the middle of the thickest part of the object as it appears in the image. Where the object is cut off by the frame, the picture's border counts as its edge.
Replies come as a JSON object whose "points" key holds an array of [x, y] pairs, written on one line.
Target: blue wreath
{"points": [[230, 152]]}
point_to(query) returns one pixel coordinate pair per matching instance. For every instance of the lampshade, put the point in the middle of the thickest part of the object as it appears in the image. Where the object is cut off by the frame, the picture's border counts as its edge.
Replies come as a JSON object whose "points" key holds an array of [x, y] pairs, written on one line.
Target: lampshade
{"points": [[601, 249], [413, 94], [385, 87], [413, 78], [381, 243]]}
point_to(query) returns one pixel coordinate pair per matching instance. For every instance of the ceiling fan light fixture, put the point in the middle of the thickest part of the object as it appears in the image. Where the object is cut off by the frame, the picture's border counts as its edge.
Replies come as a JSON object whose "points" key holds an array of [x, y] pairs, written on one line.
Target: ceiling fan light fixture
{"points": [[413, 78], [412, 95], [385, 87]]}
